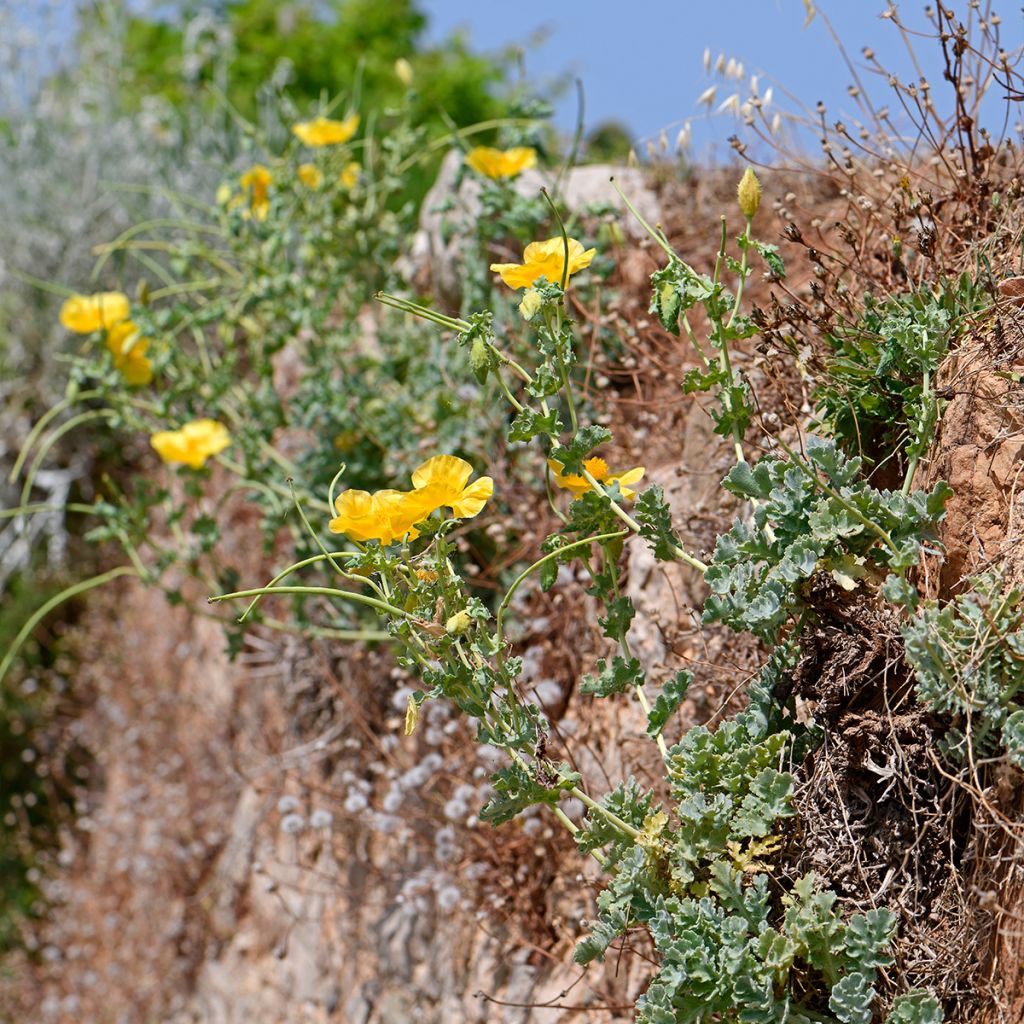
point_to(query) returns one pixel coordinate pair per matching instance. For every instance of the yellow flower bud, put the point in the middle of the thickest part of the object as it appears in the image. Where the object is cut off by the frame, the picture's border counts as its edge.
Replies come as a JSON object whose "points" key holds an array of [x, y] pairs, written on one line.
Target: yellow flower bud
{"points": [[531, 304], [748, 193], [458, 624], [403, 69]]}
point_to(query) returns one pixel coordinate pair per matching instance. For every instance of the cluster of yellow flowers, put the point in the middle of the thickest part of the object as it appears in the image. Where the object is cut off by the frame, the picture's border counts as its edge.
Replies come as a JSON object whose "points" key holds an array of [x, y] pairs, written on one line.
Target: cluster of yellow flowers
{"points": [[195, 442], [256, 181], [109, 312], [389, 515], [322, 131]]}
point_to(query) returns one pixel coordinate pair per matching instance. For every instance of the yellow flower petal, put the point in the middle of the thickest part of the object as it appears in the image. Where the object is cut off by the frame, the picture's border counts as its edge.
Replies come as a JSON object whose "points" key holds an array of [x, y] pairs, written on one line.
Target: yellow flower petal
{"points": [[598, 469], [256, 184], [128, 348], [624, 480], [444, 471], [257, 178], [137, 369], [568, 481], [322, 131], [84, 314], [356, 516], [350, 175], [501, 163], [545, 259], [193, 444], [440, 482], [385, 516], [473, 498], [309, 175]]}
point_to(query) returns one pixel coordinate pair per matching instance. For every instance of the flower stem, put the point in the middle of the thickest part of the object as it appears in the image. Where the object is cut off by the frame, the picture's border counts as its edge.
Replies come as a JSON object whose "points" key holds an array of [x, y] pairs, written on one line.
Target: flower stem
{"points": [[348, 595], [506, 600], [58, 599], [612, 819], [681, 554]]}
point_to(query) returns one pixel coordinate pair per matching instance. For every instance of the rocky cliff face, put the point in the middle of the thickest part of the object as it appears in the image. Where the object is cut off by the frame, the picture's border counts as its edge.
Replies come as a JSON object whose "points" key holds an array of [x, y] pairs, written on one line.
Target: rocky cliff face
{"points": [[261, 843]]}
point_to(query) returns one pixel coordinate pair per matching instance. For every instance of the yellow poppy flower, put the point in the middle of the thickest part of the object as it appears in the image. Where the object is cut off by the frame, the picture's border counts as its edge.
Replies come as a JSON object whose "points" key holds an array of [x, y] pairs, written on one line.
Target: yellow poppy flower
{"points": [[388, 515], [501, 163], [544, 259], [441, 483], [322, 131], [84, 314], [193, 444], [350, 175], [256, 182], [128, 348], [598, 469], [309, 175], [385, 516]]}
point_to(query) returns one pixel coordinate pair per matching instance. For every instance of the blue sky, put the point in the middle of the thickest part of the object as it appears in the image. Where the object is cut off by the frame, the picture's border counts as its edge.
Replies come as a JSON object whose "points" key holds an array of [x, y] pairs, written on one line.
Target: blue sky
{"points": [[641, 61]]}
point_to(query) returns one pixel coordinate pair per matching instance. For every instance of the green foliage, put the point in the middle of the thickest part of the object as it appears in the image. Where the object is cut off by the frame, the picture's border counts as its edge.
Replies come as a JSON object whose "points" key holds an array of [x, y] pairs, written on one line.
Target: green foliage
{"points": [[667, 702], [618, 677], [572, 455], [812, 515], [915, 1007], [721, 957], [876, 398], [968, 662], [676, 288], [655, 519], [321, 45], [727, 789], [629, 803], [516, 789]]}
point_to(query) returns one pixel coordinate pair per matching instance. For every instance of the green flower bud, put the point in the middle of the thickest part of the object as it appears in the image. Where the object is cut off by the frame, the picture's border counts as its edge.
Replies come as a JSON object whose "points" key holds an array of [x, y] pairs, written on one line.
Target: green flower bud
{"points": [[479, 360], [748, 193]]}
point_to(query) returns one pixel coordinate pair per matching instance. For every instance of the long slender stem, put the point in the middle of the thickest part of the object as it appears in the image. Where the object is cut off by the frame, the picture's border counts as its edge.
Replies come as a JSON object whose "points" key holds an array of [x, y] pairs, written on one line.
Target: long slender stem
{"points": [[40, 426], [66, 427], [31, 510], [611, 818], [348, 595], [723, 351], [926, 396], [58, 599], [681, 554], [506, 600], [285, 573]]}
